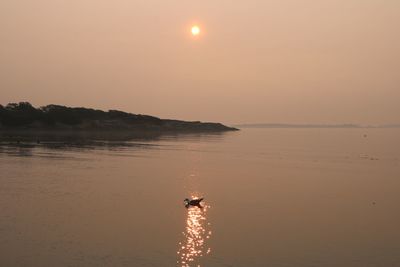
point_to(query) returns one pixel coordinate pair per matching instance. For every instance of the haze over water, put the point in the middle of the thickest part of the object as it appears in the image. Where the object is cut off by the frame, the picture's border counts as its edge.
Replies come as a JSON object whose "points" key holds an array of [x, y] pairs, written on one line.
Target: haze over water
{"points": [[280, 61], [275, 197]]}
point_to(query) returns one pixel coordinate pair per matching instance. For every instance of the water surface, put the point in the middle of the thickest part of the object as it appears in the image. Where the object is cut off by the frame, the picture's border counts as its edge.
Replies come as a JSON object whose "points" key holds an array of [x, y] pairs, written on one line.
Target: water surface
{"points": [[274, 197]]}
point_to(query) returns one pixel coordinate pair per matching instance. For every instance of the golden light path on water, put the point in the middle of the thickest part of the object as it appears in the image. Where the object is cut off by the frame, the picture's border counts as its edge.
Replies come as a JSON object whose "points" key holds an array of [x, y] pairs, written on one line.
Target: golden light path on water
{"points": [[196, 234]]}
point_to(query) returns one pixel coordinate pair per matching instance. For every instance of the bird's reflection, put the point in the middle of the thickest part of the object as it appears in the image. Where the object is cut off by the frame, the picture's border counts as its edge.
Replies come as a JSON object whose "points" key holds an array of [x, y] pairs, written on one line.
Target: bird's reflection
{"points": [[196, 234]]}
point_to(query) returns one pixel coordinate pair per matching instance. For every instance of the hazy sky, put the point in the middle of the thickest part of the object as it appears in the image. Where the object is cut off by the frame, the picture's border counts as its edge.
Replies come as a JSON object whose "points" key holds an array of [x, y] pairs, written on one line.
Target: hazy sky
{"points": [[289, 61]]}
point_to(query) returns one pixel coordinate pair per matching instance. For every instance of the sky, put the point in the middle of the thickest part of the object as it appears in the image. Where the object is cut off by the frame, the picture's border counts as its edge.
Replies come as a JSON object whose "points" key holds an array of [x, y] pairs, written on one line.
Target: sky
{"points": [[272, 61]]}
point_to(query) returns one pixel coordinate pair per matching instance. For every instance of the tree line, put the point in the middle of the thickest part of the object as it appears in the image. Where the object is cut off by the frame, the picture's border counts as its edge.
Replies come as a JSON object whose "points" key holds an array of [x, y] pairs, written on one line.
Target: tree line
{"points": [[23, 113]]}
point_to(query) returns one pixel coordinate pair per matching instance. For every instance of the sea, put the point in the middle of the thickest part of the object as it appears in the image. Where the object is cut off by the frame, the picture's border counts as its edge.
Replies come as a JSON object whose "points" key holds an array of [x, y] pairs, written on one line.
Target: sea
{"points": [[272, 197]]}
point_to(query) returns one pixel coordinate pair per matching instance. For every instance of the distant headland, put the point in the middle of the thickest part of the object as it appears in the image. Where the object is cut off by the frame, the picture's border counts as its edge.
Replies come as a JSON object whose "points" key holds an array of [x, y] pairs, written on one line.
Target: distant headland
{"points": [[23, 116], [284, 125]]}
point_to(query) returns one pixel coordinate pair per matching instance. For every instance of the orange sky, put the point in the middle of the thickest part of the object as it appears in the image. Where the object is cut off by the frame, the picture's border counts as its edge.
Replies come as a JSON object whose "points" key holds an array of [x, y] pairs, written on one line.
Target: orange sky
{"points": [[331, 61]]}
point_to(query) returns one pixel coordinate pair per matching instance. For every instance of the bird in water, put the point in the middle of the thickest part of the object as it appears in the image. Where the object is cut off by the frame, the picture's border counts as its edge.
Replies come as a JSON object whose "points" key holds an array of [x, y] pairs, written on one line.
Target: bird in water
{"points": [[193, 202]]}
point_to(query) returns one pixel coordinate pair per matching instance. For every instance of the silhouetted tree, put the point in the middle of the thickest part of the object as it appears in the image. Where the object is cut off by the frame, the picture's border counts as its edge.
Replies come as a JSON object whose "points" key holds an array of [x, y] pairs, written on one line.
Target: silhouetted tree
{"points": [[24, 114], [19, 114]]}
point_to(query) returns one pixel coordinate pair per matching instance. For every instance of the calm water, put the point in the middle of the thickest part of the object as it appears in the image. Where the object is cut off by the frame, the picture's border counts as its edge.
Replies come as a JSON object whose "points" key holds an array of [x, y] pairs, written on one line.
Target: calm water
{"points": [[274, 197]]}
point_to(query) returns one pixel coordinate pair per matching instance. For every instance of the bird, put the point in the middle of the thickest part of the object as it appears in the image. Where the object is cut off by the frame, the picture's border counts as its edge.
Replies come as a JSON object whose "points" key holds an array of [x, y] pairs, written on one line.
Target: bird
{"points": [[193, 202]]}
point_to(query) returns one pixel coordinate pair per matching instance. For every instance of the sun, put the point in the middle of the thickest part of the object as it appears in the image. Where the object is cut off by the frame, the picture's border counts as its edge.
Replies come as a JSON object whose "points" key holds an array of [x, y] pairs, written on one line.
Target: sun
{"points": [[195, 30]]}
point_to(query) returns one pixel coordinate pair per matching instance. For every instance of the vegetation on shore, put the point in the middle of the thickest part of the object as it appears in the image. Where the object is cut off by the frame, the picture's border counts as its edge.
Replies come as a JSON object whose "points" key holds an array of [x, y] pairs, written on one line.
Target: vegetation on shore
{"points": [[55, 117]]}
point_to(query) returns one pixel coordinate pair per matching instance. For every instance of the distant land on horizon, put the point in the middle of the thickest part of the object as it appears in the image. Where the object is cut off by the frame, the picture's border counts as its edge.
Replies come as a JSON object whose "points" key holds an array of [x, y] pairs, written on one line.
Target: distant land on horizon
{"points": [[288, 125], [23, 116]]}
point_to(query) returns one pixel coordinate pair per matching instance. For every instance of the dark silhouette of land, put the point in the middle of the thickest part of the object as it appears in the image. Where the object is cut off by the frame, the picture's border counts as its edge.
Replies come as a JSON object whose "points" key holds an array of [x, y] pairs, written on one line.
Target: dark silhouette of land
{"points": [[23, 116]]}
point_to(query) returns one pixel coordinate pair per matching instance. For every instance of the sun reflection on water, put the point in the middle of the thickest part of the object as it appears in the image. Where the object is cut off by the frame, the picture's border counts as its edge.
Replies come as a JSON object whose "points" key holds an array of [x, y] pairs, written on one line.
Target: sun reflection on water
{"points": [[196, 234]]}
